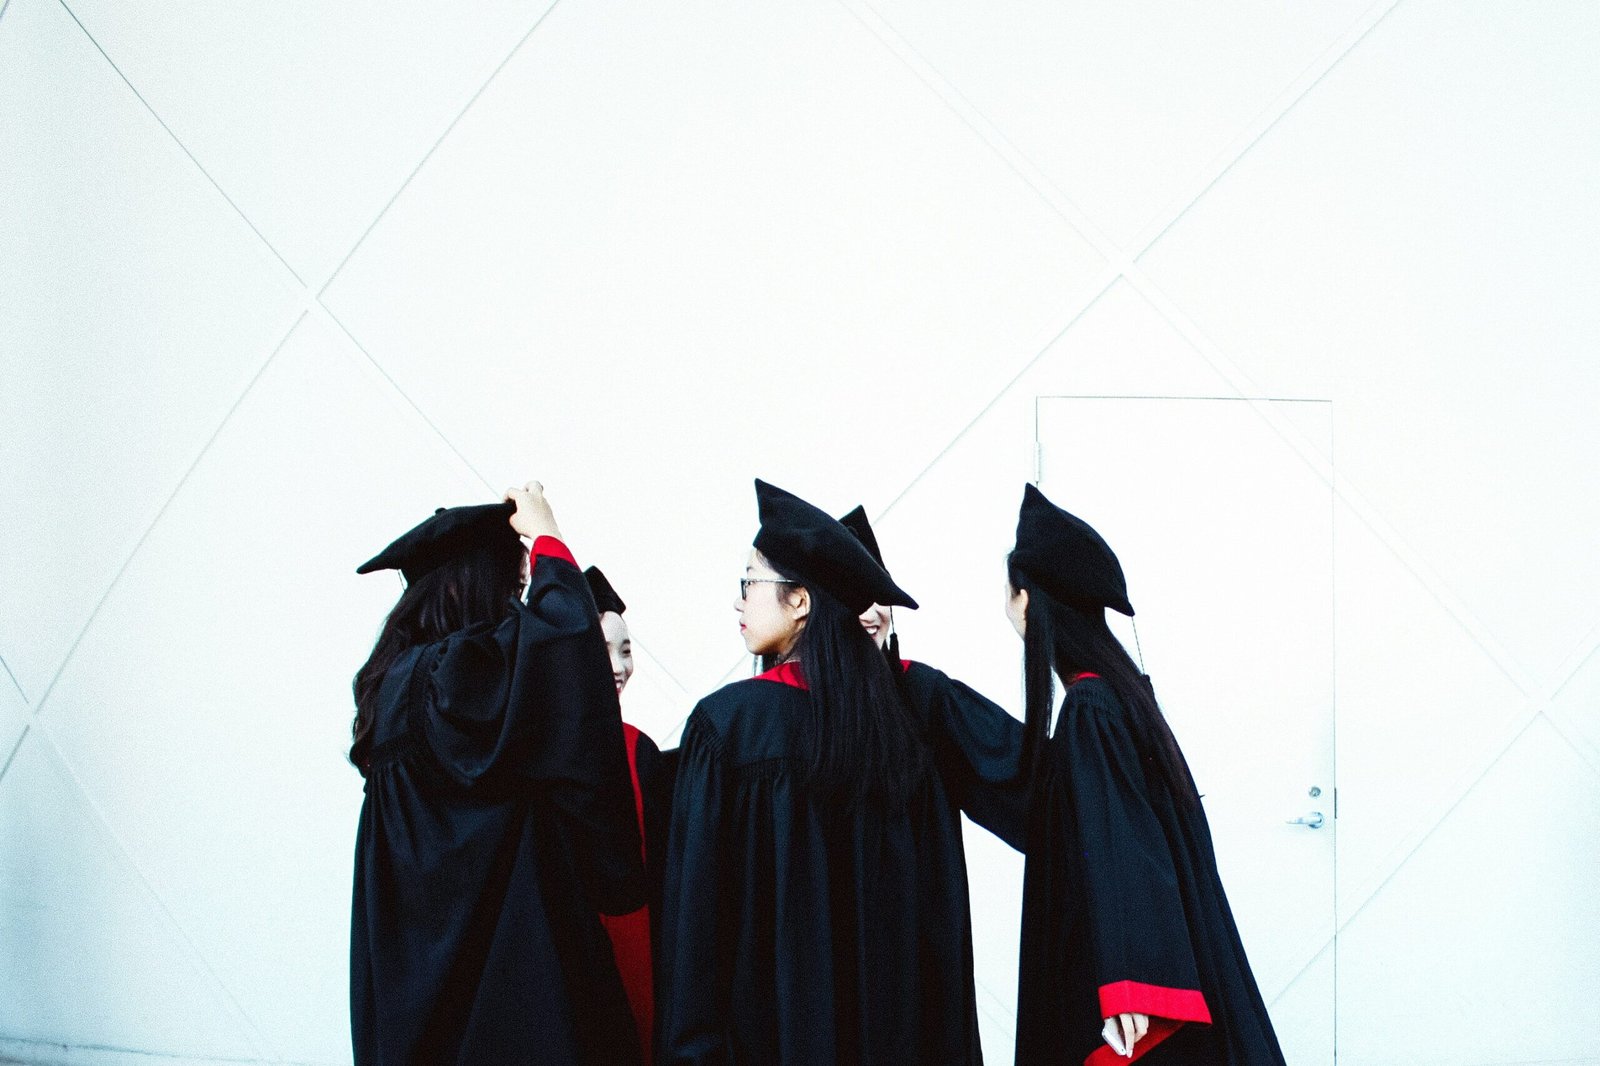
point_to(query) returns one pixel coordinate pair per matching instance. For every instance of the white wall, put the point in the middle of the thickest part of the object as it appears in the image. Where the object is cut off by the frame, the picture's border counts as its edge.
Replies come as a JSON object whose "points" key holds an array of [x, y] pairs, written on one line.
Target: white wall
{"points": [[275, 280]]}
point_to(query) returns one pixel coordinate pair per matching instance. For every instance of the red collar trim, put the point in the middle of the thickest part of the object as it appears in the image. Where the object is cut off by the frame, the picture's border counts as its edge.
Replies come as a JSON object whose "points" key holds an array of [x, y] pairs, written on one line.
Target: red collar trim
{"points": [[1084, 676], [784, 674], [789, 674]]}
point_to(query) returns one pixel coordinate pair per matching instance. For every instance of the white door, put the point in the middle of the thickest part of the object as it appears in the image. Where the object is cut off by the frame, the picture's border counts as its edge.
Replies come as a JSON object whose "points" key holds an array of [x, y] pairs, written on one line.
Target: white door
{"points": [[1225, 534]]}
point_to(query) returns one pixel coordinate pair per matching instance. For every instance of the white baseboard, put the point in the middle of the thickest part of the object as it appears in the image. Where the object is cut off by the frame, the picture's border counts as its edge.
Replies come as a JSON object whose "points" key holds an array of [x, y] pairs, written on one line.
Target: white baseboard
{"points": [[15, 1052]]}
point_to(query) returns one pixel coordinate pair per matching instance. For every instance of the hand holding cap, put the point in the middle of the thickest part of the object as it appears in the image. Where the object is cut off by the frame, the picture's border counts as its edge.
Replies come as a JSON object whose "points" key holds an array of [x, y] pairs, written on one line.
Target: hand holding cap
{"points": [[533, 517]]}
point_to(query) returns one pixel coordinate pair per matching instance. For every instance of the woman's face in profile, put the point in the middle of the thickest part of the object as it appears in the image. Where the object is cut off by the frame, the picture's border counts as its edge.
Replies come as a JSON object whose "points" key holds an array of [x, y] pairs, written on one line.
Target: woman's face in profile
{"points": [[619, 647], [771, 611], [875, 620]]}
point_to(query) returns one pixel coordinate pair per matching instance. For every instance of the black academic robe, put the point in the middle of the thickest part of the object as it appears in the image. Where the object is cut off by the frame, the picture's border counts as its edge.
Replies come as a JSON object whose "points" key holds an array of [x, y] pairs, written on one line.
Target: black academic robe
{"points": [[801, 932], [499, 821], [1123, 910], [634, 937], [658, 774]]}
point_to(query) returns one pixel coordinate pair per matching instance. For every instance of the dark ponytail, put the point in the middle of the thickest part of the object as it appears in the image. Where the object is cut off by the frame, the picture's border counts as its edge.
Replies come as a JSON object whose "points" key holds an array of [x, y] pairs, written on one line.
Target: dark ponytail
{"points": [[1060, 639], [474, 587], [860, 740], [1038, 677]]}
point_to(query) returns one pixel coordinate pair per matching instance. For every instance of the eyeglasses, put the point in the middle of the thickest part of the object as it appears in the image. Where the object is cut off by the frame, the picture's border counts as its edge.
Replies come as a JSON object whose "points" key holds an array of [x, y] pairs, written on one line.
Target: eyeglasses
{"points": [[746, 582]]}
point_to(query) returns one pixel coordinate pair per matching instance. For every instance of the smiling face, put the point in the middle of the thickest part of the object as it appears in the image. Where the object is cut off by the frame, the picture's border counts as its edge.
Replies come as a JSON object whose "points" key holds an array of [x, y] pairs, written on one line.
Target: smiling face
{"points": [[772, 612], [618, 647], [876, 620]]}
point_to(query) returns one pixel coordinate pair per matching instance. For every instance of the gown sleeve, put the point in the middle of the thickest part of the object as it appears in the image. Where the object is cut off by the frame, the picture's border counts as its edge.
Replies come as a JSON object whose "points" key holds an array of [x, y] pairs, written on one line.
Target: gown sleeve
{"points": [[1138, 932], [979, 746], [530, 703], [695, 965], [657, 774]]}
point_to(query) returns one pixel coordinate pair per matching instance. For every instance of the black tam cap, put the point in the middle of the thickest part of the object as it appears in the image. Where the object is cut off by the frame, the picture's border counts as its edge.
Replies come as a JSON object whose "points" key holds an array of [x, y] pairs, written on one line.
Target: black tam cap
{"points": [[450, 531], [802, 538], [605, 597], [856, 522], [1066, 557]]}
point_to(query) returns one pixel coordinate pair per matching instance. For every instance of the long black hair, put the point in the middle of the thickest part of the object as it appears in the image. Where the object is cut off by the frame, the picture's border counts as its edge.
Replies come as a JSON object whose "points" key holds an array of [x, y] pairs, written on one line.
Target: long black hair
{"points": [[1061, 639], [860, 741], [473, 587]]}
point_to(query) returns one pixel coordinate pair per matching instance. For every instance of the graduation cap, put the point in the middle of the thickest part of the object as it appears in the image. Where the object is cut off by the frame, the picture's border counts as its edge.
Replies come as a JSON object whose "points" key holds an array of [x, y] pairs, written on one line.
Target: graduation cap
{"points": [[1066, 557], [605, 597], [448, 532], [802, 538], [856, 522]]}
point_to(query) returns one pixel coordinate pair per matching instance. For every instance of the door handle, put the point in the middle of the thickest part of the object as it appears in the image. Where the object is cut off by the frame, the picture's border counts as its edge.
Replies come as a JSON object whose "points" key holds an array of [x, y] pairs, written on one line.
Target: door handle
{"points": [[1310, 821]]}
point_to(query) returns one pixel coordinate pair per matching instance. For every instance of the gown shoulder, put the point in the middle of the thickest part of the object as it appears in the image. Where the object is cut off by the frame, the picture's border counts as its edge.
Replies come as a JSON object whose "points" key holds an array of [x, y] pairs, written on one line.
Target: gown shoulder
{"points": [[745, 721]]}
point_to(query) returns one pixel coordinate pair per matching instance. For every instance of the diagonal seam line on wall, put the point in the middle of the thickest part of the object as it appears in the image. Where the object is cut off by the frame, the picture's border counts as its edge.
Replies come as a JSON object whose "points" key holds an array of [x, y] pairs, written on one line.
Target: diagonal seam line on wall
{"points": [[1057, 200], [1365, 511], [1360, 29], [1152, 294], [10, 758], [314, 304], [728, 675], [181, 146], [1099, 287], [379, 369], [323, 312], [1014, 159], [1533, 716], [161, 512], [1230, 156], [398, 193], [1437, 589], [1064, 206], [435, 147], [670, 676], [1001, 1022], [409, 402], [1534, 708], [1316, 957], [1564, 730], [252, 1033], [1542, 709], [1568, 730], [13, 676], [314, 300], [1579, 657], [1069, 211]]}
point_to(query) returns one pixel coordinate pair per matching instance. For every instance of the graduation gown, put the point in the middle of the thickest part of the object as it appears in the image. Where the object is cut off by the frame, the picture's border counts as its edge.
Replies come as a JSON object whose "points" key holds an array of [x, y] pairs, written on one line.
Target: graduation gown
{"points": [[1123, 910], [499, 819], [633, 935], [799, 932]]}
